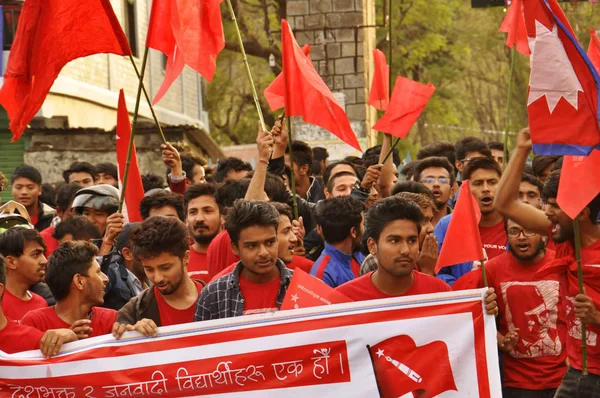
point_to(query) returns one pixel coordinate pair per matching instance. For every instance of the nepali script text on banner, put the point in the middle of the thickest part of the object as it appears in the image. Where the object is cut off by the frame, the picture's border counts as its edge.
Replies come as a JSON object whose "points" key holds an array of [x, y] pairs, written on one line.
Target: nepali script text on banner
{"points": [[441, 344]]}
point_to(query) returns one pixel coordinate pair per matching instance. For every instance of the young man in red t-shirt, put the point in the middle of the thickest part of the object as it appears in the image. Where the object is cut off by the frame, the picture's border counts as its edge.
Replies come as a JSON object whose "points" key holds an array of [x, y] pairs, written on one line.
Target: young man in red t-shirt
{"points": [[23, 250], [161, 244], [393, 226], [555, 223], [15, 337], [203, 217], [77, 282], [531, 323], [259, 281]]}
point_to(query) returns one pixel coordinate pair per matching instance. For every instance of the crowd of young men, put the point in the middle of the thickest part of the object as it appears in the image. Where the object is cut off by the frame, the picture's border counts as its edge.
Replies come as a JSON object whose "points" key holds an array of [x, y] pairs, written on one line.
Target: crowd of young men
{"points": [[224, 242]]}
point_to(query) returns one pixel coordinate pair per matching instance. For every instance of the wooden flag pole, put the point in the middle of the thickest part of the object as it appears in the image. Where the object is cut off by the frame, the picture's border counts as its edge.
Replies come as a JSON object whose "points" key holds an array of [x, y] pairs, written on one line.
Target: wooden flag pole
{"points": [[390, 75], [513, 56], [133, 126], [485, 281], [292, 178], [577, 239], [140, 77], [248, 72]]}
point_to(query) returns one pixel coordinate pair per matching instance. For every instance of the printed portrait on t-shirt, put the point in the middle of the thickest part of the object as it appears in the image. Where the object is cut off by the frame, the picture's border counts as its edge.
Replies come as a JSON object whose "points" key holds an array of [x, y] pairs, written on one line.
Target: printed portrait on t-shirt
{"points": [[575, 323], [531, 307]]}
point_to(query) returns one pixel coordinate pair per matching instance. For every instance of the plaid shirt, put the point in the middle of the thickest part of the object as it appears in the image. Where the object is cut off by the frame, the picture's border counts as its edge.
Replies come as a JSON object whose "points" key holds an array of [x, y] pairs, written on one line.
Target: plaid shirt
{"points": [[223, 299]]}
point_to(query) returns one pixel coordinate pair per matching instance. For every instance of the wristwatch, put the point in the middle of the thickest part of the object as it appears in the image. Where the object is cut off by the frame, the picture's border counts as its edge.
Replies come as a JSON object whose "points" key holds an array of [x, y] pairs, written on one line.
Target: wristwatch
{"points": [[357, 187]]}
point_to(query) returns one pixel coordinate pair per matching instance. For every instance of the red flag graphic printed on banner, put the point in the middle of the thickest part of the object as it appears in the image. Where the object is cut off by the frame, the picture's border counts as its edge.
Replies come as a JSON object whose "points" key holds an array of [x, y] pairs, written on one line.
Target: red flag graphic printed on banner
{"points": [[563, 86], [307, 291], [408, 101], [462, 242], [188, 32], [579, 182], [401, 368], [379, 96], [307, 95], [51, 33], [275, 93], [134, 192], [594, 50], [514, 25]]}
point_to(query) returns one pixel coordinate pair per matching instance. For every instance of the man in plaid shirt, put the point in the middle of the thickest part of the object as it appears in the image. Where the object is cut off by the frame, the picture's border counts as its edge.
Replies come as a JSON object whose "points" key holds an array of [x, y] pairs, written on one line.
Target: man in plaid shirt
{"points": [[260, 280]]}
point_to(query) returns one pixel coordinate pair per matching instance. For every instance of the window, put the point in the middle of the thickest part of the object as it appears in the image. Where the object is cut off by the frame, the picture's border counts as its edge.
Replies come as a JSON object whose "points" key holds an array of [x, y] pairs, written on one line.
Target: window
{"points": [[131, 26], [11, 11]]}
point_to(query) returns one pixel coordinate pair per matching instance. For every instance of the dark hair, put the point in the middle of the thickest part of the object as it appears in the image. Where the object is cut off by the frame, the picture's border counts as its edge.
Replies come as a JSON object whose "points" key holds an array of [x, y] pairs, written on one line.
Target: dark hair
{"points": [[371, 156], [391, 209], [26, 171], [68, 260], [331, 166], [471, 144], [413, 187], [66, 194], [197, 190], [528, 170], [533, 181], [157, 235], [2, 272], [331, 182], [231, 191], [320, 153], [249, 213], [79, 167], [79, 227], [558, 165], [440, 148], [48, 195], [188, 162], [550, 191], [434, 162], [224, 166], [541, 162], [481, 163], [152, 181], [409, 168], [275, 189], [301, 153], [337, 216], [316, 168], [497, 145], [107, 168], [162, 199], [13, 241], [283, 210]]}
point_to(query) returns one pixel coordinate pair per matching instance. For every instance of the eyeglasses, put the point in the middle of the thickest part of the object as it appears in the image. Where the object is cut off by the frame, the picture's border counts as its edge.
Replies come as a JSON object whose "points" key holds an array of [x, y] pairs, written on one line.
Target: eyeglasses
{"points": [[431, 180], [515, 232]]}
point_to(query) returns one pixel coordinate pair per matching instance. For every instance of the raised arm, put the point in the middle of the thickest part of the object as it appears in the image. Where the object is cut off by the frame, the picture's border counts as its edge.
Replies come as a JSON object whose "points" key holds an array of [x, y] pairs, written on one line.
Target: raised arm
{"points": [[264, 142], [386, 180], [507, 199]]}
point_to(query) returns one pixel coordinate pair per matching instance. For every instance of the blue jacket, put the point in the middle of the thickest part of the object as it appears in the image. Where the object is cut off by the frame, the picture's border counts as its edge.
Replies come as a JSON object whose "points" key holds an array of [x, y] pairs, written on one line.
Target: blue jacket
{"points": [[449, 274], [335, 267]]}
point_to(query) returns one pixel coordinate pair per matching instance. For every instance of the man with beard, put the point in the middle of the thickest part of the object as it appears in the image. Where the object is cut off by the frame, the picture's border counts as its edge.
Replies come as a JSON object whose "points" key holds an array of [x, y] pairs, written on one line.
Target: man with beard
{"points": [[204, 223], [341, 223], [531, 316], [77, 282], [161, 244], [437, 174], [483, 175], [555, 223]]}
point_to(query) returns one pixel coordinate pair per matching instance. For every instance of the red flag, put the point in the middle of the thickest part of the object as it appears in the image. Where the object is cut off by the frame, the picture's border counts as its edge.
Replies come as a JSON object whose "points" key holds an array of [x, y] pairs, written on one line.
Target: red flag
{"points": [[402, 368], [188, 32], [379, 97], [470, 280], [307, 95], [134, 191], [563, 86], [50, 34], [579, 182], [275, 93], [408, 101], [462, 242], [594, 50], [514, 25], [307, 291]]}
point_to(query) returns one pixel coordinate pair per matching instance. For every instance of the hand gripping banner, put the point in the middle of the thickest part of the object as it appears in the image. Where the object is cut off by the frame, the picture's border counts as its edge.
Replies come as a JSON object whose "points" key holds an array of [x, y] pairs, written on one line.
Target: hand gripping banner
{"points": [[436, 345]]}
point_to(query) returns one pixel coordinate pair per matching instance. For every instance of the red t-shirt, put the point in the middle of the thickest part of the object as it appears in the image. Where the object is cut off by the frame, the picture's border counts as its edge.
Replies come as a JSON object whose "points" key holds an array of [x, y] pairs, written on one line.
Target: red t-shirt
{"points": [[259, 298], [363, 288], [197, 268], [14, 308], [51, 243], [173, 316], [219, 254], [15, 337], [493, 240], [47, 318], [532, 305]]}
